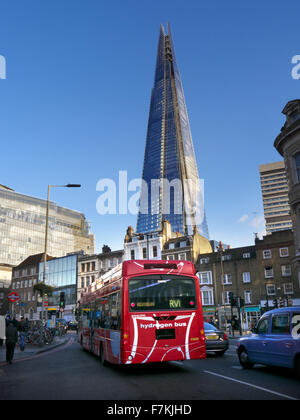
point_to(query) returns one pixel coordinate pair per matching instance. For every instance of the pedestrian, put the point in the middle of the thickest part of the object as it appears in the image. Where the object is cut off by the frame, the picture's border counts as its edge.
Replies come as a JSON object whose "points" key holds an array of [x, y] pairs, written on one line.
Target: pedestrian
{"points": [[23, 329], [11, 341]]}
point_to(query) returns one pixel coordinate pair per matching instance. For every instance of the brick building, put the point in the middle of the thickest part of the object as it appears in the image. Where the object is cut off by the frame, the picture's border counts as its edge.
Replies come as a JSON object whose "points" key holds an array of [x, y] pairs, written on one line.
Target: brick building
{"points": [[257, 274]]}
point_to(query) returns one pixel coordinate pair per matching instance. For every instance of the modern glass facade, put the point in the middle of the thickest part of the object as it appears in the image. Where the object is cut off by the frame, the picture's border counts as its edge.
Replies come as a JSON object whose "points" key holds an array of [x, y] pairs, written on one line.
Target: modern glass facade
{"points": [[22, 228], [169, 154], [61, 273]]}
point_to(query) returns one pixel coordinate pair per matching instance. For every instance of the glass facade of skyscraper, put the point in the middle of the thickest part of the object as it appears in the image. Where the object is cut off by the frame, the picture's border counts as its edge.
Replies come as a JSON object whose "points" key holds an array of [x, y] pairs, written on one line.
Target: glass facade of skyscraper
{"points": [[169, 155], [22, 228]]}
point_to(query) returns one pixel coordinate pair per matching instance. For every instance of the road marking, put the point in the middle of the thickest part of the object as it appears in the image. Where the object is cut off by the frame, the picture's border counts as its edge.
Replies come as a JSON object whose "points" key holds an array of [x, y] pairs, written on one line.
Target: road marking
{"points": [[251, 385]]}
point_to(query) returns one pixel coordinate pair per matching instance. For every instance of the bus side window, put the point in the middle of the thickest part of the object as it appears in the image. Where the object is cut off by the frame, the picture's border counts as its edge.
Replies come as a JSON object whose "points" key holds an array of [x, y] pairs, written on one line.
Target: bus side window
{"points": [[115, 310]]}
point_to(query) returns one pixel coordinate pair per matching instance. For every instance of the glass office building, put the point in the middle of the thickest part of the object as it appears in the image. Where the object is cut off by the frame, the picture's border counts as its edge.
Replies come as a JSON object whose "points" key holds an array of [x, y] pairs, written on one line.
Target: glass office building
{"points": [[171, 188], [61, 273], [22, 228]]}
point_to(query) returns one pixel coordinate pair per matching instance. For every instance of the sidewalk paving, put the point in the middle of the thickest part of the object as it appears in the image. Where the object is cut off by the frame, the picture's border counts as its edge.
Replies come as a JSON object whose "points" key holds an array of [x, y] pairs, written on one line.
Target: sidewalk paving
{"points": [[30, 349]]}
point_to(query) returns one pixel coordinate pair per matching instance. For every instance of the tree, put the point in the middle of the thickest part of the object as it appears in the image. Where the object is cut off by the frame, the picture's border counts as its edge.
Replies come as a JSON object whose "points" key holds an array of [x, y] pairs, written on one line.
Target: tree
{"points": [[43, 289]]}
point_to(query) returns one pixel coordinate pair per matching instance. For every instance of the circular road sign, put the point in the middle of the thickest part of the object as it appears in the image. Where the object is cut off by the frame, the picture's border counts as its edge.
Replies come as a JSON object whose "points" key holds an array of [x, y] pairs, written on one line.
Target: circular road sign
{"points": [[13, 297]]}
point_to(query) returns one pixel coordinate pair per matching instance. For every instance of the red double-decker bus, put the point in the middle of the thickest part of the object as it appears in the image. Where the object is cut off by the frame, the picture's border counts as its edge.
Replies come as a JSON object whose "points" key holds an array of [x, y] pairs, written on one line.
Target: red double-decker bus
{"points": [[144, 311]]}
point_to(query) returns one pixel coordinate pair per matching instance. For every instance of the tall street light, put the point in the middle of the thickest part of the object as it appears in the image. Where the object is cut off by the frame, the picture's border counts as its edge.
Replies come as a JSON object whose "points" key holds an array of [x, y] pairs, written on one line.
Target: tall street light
{"points": [[46, 231], [221, 250]]}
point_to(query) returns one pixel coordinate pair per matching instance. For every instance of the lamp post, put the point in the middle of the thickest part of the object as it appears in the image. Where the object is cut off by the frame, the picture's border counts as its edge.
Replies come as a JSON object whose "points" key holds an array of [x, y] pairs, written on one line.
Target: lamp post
{"points": [[46, 231], [221, 249]]}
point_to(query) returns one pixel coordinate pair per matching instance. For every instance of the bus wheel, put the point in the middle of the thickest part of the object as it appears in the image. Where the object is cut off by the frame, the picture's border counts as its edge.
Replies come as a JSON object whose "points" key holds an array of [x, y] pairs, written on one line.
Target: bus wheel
{"points": [[102, 360]]}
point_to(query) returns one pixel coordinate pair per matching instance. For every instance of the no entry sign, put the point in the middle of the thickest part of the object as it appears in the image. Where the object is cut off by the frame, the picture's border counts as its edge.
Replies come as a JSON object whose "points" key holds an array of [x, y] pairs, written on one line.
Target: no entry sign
{"points": [[13, 297]]}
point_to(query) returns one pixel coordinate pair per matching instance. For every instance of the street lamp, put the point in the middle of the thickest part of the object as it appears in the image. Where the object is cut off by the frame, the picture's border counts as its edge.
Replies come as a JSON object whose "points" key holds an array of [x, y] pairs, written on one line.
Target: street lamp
{"points": [[221, 249], [46, 231]]}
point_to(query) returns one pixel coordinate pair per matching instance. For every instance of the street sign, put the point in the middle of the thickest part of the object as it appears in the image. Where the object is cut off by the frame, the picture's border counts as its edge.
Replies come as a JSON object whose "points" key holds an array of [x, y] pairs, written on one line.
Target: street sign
{"points": [[13, 297]]}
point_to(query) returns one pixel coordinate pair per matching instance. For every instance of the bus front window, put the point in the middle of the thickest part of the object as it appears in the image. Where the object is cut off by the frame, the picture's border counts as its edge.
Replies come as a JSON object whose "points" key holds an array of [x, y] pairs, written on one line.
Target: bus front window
{"points": [[162, 292]]}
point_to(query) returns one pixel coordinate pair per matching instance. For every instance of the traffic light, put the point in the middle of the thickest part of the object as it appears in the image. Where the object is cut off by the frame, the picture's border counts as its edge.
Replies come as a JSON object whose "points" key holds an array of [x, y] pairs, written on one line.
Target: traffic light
{"points": [[275, 303], [232, 299], [62, 300], [242, 302], [281, 304]]}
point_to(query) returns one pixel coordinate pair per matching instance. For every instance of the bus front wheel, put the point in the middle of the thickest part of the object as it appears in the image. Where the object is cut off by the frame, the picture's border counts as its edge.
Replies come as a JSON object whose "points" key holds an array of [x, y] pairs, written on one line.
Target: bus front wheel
{"points": [[102, 359]]}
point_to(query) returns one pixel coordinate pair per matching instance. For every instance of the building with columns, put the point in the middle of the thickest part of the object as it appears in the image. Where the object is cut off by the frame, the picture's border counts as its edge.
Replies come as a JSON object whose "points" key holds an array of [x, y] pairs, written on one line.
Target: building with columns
{"points": [[287, 143]]}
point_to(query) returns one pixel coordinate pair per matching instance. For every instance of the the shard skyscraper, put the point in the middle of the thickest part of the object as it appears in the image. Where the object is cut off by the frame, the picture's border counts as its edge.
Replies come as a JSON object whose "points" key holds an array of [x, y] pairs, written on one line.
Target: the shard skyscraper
{"points": [[171, 188]]}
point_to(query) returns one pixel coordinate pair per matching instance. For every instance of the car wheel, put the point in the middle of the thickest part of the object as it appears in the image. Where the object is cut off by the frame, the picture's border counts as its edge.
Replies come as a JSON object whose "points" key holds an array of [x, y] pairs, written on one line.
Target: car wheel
{"points": [[244, 360]]}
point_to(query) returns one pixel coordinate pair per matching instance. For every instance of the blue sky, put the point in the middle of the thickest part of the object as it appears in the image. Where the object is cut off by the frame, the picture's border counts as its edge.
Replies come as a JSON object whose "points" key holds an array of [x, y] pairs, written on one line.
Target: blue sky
{"points": [[74, 106]]}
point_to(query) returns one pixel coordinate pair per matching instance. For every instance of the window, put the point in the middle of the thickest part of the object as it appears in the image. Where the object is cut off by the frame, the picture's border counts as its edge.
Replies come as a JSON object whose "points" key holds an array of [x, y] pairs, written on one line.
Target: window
{"points": [[269, 272], [246, 255], [248, 296], [297, 162], [267, 254], [227, 279], [280, 324], [205, 277], [93, 266], [246, 277], [270, 288], [154, 251], [170, 257], [82, 281], [286, 270], [263, 326], [207, 297], [82, 268], [288, 288], [283, 252], [144, 253], [226, 257], [204, 260], [132, 254], [182, 257], [227, 300]]}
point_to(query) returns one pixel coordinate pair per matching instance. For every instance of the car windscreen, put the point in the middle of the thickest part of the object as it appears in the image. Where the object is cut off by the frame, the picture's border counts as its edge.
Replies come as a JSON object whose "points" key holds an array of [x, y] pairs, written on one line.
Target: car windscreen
{"points": [[162, 292]]}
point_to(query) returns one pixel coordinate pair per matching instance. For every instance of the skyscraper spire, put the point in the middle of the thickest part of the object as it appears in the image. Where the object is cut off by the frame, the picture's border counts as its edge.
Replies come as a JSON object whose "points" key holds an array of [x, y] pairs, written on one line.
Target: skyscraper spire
{"points": [[171, 189]]}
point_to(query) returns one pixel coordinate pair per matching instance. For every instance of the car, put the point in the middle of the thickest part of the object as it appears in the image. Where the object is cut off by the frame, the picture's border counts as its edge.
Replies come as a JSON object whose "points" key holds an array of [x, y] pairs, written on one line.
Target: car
{"points": [[215, 339], [72, 326], [275, 341]]}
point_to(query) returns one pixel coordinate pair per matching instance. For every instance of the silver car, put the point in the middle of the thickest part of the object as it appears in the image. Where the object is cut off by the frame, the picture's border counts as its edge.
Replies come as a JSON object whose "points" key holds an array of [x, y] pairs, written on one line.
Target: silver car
{"points": [[215, 339]]}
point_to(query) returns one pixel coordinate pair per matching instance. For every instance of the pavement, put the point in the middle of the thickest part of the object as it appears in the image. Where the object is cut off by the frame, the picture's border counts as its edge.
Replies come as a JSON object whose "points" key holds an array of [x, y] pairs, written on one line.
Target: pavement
{"points": [[31, 350]]}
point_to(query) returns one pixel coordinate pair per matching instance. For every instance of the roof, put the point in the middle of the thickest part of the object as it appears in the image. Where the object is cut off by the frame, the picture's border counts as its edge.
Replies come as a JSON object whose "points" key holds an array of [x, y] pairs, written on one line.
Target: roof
{"points": [[281, 310], [33, 260]]}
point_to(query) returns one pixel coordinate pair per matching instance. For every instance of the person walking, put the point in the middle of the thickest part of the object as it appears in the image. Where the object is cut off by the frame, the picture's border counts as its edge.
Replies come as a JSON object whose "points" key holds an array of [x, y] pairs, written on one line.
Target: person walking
{"points": [[11, 341], [23, 329]]}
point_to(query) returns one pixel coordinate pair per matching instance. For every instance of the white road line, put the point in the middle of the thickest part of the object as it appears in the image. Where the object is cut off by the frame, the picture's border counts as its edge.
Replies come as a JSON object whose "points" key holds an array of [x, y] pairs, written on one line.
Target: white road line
{"points": [[253, 386]]}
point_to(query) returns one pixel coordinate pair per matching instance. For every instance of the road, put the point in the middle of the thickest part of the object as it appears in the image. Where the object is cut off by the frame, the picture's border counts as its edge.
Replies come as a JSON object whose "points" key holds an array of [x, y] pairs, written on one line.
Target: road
{"points": [[68, 372]]}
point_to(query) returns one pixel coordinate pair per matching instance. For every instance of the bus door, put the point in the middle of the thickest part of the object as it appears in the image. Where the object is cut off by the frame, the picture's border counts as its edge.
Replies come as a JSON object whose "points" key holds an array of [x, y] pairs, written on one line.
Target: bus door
{"points": [[91, 327]]}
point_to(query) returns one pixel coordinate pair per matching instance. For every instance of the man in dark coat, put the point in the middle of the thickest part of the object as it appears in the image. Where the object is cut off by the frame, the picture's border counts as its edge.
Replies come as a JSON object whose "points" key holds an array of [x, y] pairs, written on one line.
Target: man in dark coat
{"points": [[11, 341]]}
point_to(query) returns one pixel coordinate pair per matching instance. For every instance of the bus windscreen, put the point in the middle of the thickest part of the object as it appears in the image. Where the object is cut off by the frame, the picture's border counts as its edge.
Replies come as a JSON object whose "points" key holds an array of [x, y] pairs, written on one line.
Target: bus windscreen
{"points": [[159, 292]]}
